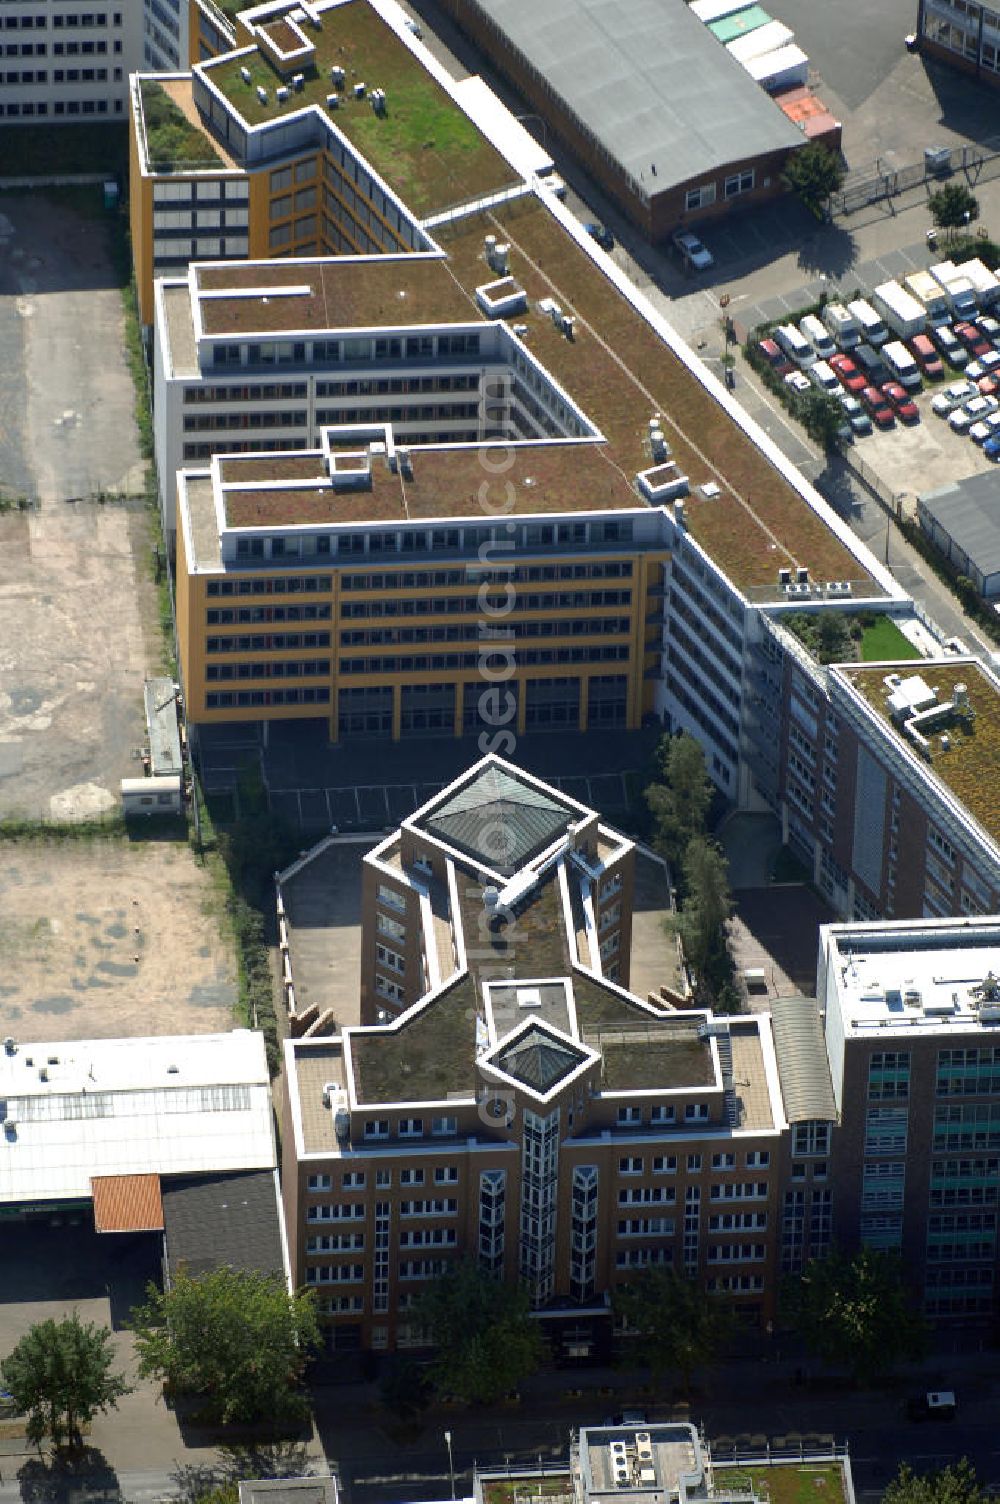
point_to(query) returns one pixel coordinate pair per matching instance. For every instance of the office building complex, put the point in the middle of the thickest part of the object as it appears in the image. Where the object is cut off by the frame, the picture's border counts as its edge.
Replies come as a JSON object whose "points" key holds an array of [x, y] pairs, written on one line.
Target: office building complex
{"points": [[503, 1096], [506, 1097], [912, 1014]]}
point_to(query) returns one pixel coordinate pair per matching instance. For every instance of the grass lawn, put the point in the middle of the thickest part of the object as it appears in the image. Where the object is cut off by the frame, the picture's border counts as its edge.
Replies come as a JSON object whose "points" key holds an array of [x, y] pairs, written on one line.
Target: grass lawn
{"points": [[508, 1490], [792, 1483], [883, 642]]}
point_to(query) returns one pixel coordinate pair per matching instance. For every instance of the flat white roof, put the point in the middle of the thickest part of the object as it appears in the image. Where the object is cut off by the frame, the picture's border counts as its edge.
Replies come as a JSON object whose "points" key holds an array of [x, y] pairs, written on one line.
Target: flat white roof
{"points": [[173, 1105], [916, 976]]}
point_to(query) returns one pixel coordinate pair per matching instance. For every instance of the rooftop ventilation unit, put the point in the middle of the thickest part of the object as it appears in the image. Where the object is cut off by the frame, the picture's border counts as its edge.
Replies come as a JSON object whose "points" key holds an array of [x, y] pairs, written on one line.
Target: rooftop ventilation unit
{"points": [[802, 576], [10, 1045], [332, 101], [662, 483], [282, 93], [245, 75], [529, 997], [359, 91], [784, 577], [298, 79], [337, 74], [262, 94]]}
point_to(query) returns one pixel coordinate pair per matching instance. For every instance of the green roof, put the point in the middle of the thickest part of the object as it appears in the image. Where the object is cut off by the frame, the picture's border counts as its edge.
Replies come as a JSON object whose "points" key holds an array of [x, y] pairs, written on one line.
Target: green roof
{"points": [[499, 820]]}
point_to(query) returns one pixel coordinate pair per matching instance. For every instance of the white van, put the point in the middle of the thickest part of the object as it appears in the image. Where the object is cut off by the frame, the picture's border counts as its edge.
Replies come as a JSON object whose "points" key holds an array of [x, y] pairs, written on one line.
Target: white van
{"points": [[824, 377], [794, 344], [842, 325], [902, 364], [816, 332], [873, 330]]}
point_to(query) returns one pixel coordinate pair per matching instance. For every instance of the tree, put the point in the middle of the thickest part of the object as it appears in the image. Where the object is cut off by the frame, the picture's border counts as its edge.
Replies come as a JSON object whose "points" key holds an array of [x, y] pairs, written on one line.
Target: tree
{"points": [[485, 1339], [679, 802], [814, 173], [60, 1376], [234, 1338], [955, 1484], [701, 923], [856, 1312], [821, 416], [953, 206], [677, 1324]]}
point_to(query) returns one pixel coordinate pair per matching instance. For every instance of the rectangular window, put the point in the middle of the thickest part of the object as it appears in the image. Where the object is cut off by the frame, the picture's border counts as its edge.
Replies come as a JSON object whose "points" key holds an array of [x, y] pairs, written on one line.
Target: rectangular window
{"points": [[739, 182], [445, 1127], [701, 197]]}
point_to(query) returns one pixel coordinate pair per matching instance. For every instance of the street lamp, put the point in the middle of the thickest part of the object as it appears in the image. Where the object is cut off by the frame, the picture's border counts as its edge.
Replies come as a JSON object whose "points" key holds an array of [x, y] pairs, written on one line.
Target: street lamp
{"points": [[451, 1462]]}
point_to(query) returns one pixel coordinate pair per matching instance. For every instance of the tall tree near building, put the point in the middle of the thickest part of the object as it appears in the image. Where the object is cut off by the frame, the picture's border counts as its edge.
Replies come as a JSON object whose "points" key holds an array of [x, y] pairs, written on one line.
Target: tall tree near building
{"points": [[814, 172], [234, 1339], [679, 800], [677, 1325], [485, 1338], [955, 1484], [855, 1313], [701, 924], [60, 1375]]}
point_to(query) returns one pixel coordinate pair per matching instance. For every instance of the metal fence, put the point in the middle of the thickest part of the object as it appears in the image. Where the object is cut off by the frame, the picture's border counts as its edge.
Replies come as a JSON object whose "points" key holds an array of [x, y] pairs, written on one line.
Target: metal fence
{"points": [[882, 181]]}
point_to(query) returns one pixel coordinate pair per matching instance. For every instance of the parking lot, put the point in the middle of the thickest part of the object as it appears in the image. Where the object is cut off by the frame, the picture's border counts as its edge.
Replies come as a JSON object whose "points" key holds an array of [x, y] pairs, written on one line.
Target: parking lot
{"points": [[78, 627]]}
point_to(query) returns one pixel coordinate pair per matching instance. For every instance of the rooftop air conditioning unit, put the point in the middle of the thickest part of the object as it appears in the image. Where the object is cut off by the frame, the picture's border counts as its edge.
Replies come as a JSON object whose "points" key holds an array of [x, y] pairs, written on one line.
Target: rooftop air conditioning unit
{"points": [[802, 575], [359, 91], [784, 576], [281, 93], [332, 101], [298, 79], [10, 1045], [262, 94], [245, 75]]}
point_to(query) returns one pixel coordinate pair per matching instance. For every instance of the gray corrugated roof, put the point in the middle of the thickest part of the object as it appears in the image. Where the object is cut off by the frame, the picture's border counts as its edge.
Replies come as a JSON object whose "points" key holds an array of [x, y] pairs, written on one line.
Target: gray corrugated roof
{"points": [[499, 820], [215, 1220], [803, 1068], [969, 512], [650, 81]]}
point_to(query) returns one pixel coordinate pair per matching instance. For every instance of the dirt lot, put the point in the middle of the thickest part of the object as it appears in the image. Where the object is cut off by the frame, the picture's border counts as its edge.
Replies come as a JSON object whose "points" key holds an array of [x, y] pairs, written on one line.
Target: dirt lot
{"points": [[78, 626], [107, 938], [77, 635]]}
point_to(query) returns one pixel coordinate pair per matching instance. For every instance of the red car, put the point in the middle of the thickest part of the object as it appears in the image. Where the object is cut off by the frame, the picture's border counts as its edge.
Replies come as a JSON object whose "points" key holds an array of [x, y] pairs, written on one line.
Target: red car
{"points": [[881, 412], [847, 373], [775, 356], [927, 357], [973, 340], [988, 386], [901, 402]]}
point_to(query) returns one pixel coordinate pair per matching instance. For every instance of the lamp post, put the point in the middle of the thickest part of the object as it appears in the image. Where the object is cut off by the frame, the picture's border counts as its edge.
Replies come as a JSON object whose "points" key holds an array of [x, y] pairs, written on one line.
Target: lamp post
{"points": [[451, 1462]]}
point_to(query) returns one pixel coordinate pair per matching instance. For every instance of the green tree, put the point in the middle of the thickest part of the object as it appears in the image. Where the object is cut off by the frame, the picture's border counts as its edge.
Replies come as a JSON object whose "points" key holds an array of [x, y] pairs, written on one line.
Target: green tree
{"points": [[677, 1324], [856, 1312], [233, 1338], [485, 1339], [814, 173], [953, 206], [60, 1375], [835, 642], [955, 1484], [701, 923], [821, 416], [679, 800]]}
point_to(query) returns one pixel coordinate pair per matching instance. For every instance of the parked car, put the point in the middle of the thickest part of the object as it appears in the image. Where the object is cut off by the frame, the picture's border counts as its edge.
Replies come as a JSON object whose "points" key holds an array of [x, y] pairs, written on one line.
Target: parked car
{"points": [[971, 339], [989, 327], [988, 386], [992, 448], [976, 408], [953, 396], [983, 366], [937, 1404], [775, 356], [850, 378], [794, 344], [818, 335], [858, 419], [692, 251], [952, 349], [870, 363], [821, 375], [601, 234], [878, 407], [901, 402], [979, 433], [923, 351], [798, 381]]}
